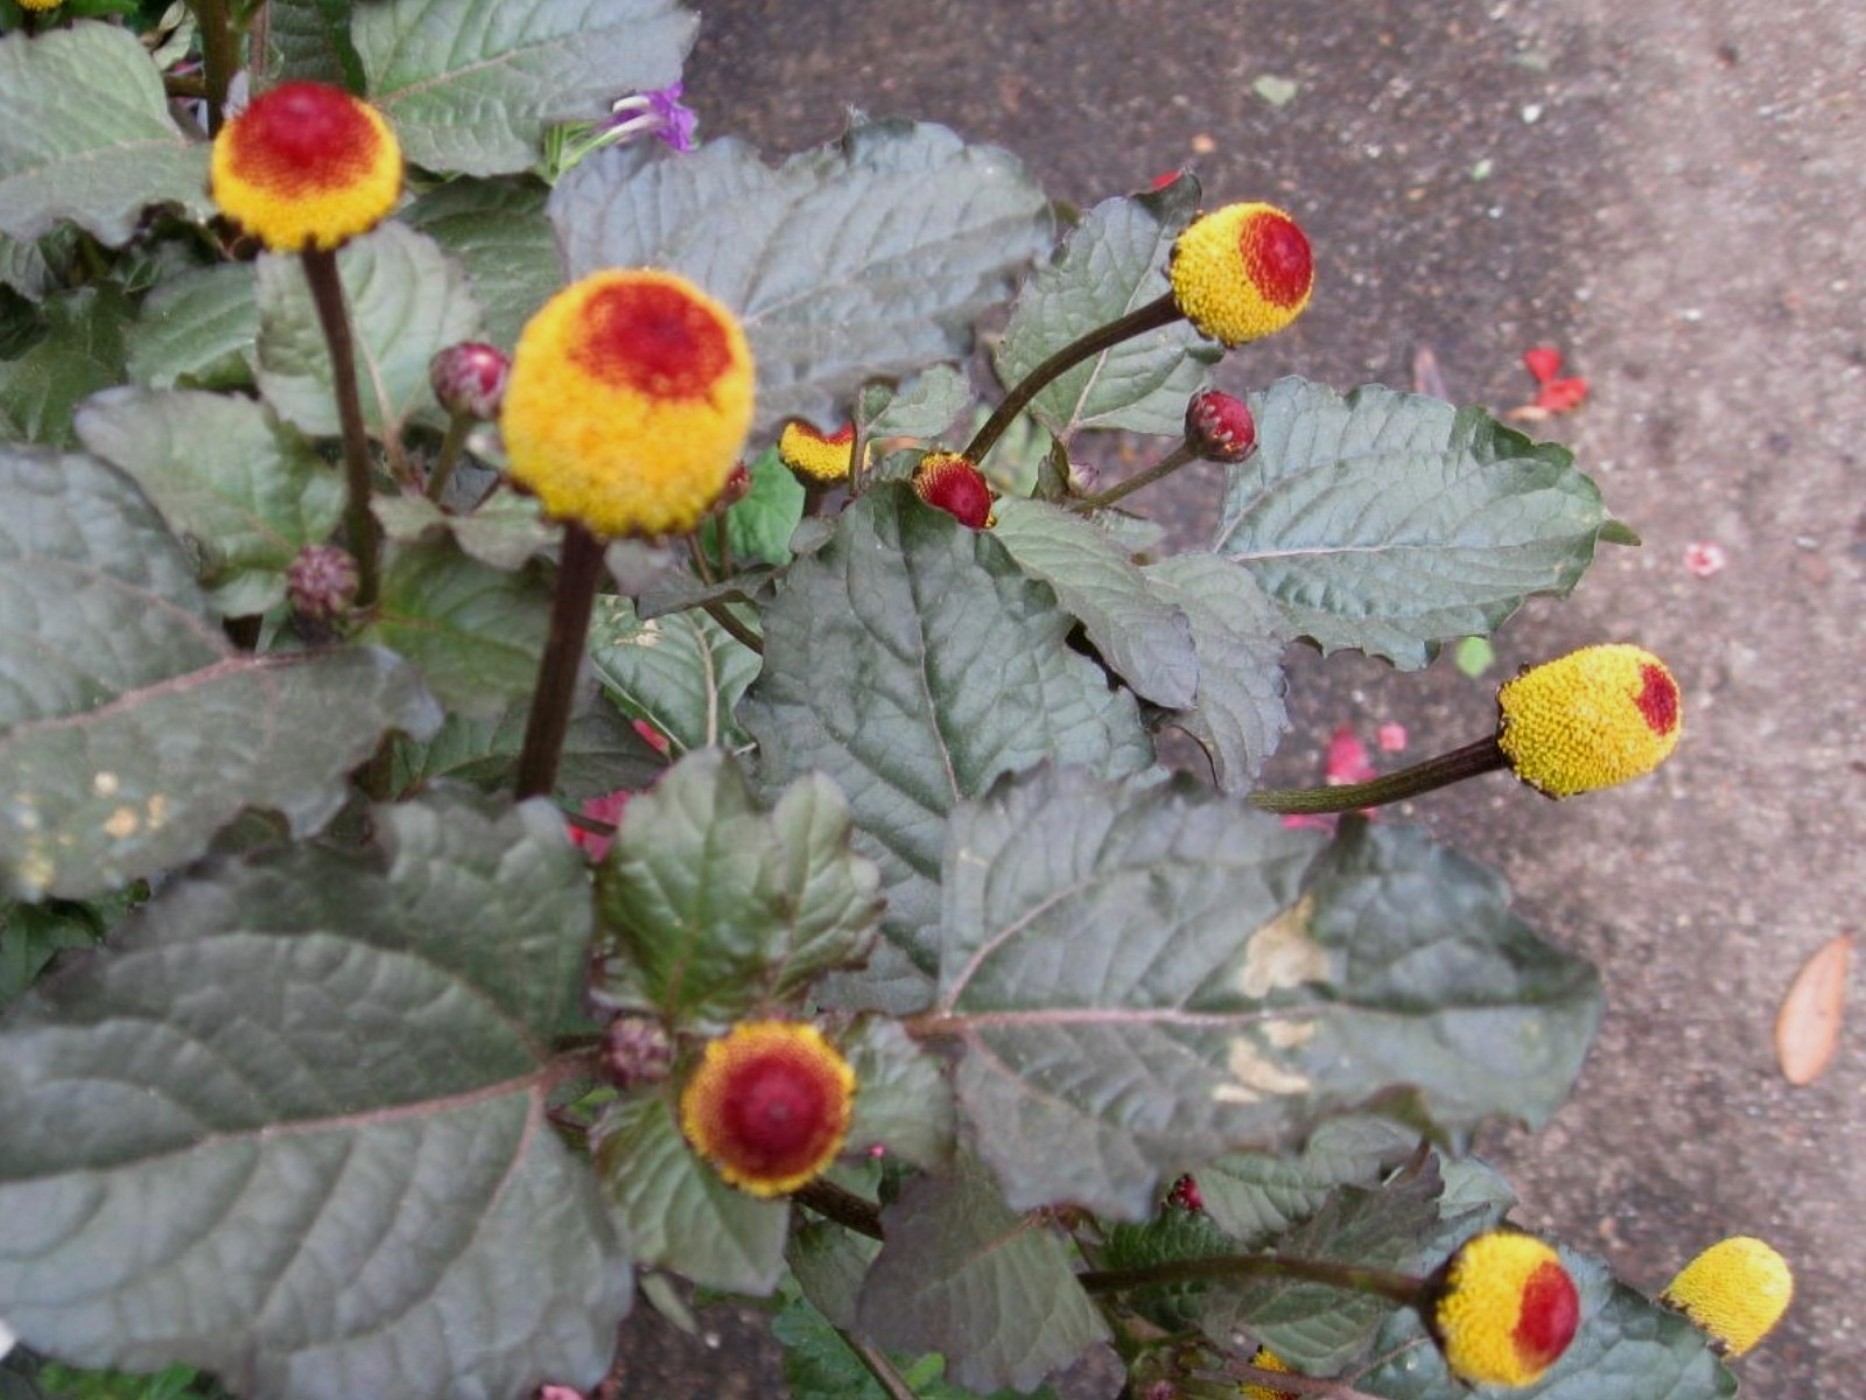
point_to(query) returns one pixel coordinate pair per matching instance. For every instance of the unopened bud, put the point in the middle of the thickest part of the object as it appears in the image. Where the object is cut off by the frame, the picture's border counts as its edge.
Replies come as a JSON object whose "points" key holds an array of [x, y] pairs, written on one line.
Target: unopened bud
{"points": [[321, 582], [469, 379], [738, 486], [636, 1051], [1219, 427], [956, 486]]}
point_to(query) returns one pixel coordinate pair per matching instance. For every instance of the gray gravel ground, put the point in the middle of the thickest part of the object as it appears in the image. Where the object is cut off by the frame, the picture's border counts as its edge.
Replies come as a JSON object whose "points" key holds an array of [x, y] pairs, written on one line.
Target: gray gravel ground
{"points": [[1671, 192]]}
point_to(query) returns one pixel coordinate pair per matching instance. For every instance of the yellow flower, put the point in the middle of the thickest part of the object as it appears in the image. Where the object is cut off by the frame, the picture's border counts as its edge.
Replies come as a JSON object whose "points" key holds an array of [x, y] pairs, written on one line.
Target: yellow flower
{"points": [[1267, 1360], [769, 1105], [810, 454], [40, 4], [1242, 272], [1737, 1290], [1595, 717], [629, 399], [306, 166], [1506, 1309], [953, 484]]}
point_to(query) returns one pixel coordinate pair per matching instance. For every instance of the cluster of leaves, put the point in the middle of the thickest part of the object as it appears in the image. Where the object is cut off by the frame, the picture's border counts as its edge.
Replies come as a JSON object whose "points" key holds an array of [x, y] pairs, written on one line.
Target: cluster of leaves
{"points": [[318, 1118]]}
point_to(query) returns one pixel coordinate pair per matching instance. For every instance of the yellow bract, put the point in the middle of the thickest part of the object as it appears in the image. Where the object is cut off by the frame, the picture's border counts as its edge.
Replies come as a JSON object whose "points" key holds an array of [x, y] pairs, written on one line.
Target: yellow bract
{"points": [[809, 453], [1506, 1311], [1242, 272], [769, 1105], [306, 166], [1737, 1290], [629, 399], [1590, 719], [1266, 1360]]}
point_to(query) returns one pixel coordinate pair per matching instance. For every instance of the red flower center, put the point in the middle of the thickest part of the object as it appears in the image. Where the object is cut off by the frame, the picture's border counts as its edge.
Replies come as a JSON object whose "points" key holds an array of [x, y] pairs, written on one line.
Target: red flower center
{"points": [[1549, 1316], [1277, 258], [653, 339], [1658, 699], [301, 138], [777, 1114]]}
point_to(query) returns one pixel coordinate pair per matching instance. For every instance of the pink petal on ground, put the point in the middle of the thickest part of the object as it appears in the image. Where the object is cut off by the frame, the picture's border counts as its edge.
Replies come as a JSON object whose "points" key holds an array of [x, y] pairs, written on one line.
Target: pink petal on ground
{"points": [[607, 808], [1346, 761], [1391, 737], [1562, 395], [1704, 558], [1544, 362]]}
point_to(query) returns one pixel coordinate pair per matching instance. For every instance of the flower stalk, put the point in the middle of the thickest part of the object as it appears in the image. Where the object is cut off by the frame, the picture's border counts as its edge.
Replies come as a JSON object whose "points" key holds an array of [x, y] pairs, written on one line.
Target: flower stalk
{"points": [[1484, 756], [1405, 1289], [1166, 466], [365, 537], [579, 571]]}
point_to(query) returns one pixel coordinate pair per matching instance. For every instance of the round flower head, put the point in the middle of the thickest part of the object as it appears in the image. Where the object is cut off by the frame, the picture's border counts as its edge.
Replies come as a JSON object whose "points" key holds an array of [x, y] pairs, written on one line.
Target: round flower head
{"points": [[1242, 272], [1737, 1290], [1590, 719], [629, 398], [769, 1105], [810, 454], [1506, 1309], [1267, 1360], [956, 486], [40, 4], [306, 166]]}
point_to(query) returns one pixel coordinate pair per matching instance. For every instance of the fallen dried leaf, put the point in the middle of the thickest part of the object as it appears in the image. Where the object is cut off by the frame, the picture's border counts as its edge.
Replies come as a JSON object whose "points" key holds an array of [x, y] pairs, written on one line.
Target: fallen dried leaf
{"points": [[1807, 1028]]}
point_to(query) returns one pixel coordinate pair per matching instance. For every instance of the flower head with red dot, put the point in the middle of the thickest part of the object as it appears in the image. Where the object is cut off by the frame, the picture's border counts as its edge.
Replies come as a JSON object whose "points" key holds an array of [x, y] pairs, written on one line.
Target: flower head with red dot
{"points": [[1598, 716], [306, 165], [769, 1105], [953, 484], [1242, 272], [629, 398], [1506, 1309]]}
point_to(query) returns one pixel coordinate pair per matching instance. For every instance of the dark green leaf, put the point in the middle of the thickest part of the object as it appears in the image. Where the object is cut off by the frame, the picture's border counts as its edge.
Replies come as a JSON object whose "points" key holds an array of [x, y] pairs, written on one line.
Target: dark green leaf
{"points": [[311, 1069], [1628, 1348], [25, 268], [504, 533], [245, 490], [1391, 522], [31, 935], [1238, 713], [903, 1103], [963, 1275], [474, 92], [683, 672], [475, 632], [676, 1211], [602, 754], [196, 330], [80, 353], [759, 526], [1145, 639], [829, 1264], [407, 299], [1173, 1234], [496, 228], [85, 135], [1256, 1195], [311, 40], [923, 407], [819, 1365], [709, 907], [1112, 262], [129, 743], [911, 661], [870, 258]]}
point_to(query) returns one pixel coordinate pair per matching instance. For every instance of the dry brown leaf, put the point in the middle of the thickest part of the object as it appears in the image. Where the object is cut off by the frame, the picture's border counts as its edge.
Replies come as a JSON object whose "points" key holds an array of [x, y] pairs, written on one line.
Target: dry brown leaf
{"points": [[1807, 1028]]}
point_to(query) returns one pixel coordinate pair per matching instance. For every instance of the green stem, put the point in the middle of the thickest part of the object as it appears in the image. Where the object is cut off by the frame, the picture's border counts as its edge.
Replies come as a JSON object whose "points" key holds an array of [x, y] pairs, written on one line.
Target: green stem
{"points": [[365, 537], [1482, 757], [878, 1366], [458, 426], [847, 1209], [1166, 466], [738, 631], [579, 571], [220, 56], [1139, 321], [1404, 1289]]}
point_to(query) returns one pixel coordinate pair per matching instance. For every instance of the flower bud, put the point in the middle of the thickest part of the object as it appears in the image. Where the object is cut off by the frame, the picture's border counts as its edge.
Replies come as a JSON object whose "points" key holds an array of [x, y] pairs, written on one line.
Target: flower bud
{"points": [[1505, 1309], [1185, 1194], [814, 456], [469, 379], [1219, 427], [1737, 1290], [738, 486], [956, 486], [321, 582], [769, 1105], [1242, 272], [636, 1051], [1598, 716]]}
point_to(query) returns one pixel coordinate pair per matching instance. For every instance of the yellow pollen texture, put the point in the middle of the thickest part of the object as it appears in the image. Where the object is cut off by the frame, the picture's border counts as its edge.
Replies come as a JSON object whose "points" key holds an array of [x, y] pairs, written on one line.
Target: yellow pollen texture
{"points": [[769, 1105], [1487, 1336], [306, 166], [810, 454], [628, 434], [1242, 272], [1267, 1360], [1737, 1290], [1598, 716]]}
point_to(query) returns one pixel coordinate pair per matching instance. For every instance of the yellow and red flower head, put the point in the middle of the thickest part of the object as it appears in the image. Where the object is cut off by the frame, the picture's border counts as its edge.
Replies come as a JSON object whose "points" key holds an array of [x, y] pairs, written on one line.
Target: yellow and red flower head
{"points": [[1506, 1309], [820, 458], [769, 1105], [1737, 1290], [306, 165], [1598, 716], [1242, 272], [1267, 1360], [952, 483], [629, 399]]}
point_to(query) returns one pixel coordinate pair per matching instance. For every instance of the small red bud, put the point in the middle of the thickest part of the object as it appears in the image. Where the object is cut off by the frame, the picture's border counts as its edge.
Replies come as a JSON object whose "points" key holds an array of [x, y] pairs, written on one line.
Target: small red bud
{"points": [[469, 379], [321, 582], [636, 1051], [738, 486], [1185, 1194], [949, 481], [1219, 427]]}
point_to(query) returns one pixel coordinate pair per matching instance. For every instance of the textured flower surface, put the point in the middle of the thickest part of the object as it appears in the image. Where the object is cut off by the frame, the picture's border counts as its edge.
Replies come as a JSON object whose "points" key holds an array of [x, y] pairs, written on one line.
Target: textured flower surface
{"points": [[1219, 426], [468, 379], [769, 1105], [306, 165], [1737, 1290], [1242, 272], [812, 454], [1267, 1360], [956, 486], [1506, 1309], [1592, 718], [629, 399]]}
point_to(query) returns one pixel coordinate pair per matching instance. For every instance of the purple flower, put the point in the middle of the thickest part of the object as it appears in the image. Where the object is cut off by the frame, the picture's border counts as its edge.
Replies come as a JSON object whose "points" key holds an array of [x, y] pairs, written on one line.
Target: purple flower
{"points": [[657, 112]]}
